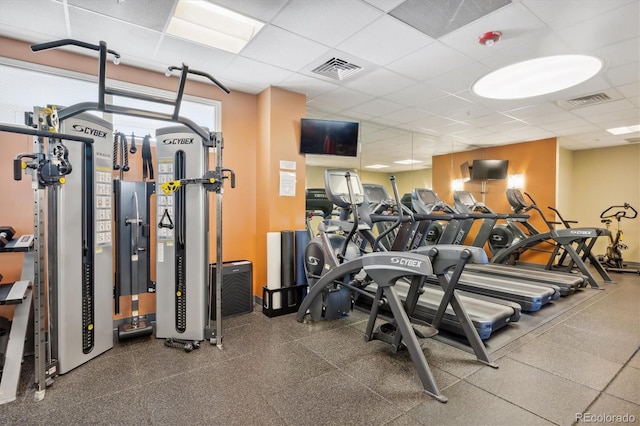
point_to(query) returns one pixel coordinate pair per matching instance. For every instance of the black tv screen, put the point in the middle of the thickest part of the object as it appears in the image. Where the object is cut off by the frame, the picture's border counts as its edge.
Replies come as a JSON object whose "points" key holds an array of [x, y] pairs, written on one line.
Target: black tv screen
{"points": [[489, 169], [328, 137]]}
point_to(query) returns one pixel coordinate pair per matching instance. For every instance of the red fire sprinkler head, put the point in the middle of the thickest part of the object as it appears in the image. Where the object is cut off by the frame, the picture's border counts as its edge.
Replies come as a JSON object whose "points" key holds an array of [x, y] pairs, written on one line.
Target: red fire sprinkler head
{"points": [[490, 38]]}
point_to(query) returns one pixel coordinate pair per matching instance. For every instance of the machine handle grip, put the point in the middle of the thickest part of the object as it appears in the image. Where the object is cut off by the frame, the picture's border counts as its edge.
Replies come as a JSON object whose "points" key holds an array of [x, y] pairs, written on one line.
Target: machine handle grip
{"points": [[17, 169]]}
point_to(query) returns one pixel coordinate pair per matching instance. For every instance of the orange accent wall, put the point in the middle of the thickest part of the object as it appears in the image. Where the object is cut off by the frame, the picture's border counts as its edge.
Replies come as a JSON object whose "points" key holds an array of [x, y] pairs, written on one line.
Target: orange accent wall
{"points": [[279, 113], [537, 160]]}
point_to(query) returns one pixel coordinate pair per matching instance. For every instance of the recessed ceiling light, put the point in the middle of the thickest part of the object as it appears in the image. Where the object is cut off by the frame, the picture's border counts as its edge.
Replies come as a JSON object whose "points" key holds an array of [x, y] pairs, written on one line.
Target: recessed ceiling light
{"points": [[376, 166], [407, 161], [624, 130], [212, 25], [537, 77]]}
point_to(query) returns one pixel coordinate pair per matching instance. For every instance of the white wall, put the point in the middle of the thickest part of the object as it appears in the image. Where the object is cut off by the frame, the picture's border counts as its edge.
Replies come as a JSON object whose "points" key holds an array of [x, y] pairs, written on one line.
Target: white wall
{"points": [[601, 178]]}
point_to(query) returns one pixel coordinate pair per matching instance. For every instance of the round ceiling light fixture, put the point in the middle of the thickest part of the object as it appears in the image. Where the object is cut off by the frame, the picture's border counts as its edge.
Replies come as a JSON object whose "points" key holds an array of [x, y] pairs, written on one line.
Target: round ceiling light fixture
{"points": [[490, 38], [537, 77]]}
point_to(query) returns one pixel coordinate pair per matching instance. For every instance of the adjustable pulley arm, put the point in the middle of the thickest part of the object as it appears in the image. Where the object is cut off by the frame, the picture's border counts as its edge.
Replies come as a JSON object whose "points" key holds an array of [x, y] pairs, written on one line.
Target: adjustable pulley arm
{"points": [[212, 181]]}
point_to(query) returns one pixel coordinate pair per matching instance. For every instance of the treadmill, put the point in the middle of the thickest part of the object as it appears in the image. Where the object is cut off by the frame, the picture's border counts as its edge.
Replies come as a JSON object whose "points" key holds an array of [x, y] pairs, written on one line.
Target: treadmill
{"points": [[529, 295], [567, 283], [487, 314]]}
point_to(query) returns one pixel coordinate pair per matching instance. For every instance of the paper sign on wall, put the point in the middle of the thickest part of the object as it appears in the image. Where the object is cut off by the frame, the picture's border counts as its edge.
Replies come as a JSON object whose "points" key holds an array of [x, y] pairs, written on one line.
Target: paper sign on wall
{"points": [[287, 184]]}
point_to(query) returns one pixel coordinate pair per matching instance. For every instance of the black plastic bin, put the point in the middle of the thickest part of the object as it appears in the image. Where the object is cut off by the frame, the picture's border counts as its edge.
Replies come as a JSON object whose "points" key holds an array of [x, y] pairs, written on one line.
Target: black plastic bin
{"points": [[290, 297]]}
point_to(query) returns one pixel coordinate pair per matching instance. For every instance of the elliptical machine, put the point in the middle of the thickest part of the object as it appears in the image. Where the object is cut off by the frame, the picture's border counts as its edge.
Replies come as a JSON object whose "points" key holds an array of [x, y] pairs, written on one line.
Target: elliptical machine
{"points": [[613, 260]]}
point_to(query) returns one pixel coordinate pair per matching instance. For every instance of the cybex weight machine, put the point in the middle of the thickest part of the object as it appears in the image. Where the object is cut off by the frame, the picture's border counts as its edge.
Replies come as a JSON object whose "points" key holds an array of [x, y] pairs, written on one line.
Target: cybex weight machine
{"points": [[78, 183]]}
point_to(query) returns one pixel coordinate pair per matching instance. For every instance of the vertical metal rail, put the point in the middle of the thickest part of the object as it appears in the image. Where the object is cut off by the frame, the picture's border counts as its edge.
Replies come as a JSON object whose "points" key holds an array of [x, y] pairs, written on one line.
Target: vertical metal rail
{"points": [[39, 295], [218, 153]]}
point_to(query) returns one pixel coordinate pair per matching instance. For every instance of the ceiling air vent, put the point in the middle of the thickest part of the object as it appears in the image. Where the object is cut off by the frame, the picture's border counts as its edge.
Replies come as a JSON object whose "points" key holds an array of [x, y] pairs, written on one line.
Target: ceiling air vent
{"points": [[633, 140], [592, 99], [337, 69], [588, 100]]}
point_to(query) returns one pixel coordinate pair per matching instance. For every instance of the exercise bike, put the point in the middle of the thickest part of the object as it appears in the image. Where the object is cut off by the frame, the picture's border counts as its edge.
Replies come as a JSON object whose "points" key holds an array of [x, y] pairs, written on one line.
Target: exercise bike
{"points": [[613, 260]]}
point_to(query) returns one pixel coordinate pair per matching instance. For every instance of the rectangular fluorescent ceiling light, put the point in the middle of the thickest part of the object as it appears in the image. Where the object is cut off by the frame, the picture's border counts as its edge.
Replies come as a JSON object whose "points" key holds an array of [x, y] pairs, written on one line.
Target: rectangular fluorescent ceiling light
{"points": [[407, 161], [376, 166], [209, 24], [624, 130]]}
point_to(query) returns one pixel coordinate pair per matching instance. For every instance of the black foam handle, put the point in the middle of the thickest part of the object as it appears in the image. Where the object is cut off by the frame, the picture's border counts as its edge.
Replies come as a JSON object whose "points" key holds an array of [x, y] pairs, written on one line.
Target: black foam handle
{"points": [[17, 169]]}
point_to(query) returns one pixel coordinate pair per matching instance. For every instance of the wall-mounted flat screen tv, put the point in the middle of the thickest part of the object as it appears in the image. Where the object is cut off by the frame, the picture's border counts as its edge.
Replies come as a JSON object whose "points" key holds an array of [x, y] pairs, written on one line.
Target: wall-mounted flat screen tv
{"points": [[489, 169], [329, 137]]}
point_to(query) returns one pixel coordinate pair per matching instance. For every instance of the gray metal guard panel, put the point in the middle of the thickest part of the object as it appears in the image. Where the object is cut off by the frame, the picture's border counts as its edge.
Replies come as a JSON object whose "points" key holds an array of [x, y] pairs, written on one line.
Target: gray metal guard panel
{"points": [[69, 303], [170, 141]]}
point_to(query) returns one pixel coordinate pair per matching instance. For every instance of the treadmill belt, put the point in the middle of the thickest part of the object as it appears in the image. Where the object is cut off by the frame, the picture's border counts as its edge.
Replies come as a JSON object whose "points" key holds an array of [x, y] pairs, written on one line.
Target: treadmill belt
{"points": [[487, 316]]}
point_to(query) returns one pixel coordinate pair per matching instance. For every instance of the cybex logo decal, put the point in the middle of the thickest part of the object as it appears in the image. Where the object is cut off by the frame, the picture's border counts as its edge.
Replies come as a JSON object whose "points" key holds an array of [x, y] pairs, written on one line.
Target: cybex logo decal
{"points": [[459, 237], [406, 262], [313, 260], [178, 141], [575, 232], [89, 131]]}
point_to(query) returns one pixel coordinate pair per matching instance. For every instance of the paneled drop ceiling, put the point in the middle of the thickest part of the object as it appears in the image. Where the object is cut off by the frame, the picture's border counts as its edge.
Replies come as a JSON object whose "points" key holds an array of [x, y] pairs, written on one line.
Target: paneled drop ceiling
{"points": [[419, 59]]}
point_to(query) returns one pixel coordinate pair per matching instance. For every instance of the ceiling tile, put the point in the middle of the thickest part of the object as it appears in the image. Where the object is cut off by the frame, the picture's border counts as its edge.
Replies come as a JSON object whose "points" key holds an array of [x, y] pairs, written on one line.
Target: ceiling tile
{"points": [[152, 14], [589, 35], [175, 51], [568, 131], [417, 95], [263, 10], [445, 105], [542, 120], [603, 108], [376, 107], [276, 46], [385, 5], [562, 14], [437, 18], [429, 61], [488, 120], [84, 23], [308, 86], [379, 82], [620, 53], [516, 23], [339, 100], [612, 120], [562, 124], [533, 110], [385, 40], [624, 74], [432, 122], [47, 21], [333, 20], [629, 90], [259, 74], [568, 143], [469, 112], [461, 78], [405, 115]]}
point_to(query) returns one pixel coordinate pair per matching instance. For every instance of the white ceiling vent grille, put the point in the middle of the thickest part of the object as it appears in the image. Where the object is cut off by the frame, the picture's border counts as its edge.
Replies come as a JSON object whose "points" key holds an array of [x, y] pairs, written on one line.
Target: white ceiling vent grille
{"points": [[337, 69], [589, 100], [633, 140], [592, 99]]}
